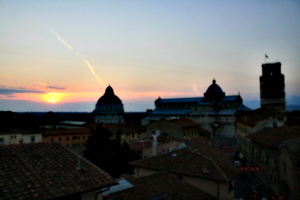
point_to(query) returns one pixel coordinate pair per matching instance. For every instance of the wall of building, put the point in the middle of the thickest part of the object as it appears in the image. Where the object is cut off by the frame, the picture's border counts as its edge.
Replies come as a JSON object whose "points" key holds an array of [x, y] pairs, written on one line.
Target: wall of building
{"points": [[68, 140], [17, 138], [289, 176], [5, 139], [161, 148], [165, 127], [28, 138], [92, 195], [139, 171]]}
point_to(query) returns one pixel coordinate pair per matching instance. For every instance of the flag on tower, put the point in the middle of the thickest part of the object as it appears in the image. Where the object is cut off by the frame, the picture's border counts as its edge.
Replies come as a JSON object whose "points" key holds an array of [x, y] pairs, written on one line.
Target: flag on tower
{"points": [[267, 56]]}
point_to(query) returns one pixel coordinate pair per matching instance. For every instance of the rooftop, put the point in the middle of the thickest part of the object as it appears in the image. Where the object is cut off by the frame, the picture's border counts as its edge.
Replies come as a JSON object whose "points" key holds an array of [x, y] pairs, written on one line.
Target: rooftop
{"points": [[184, 122], [139, 146], [206, 162], [158, 186], [271, 137], [46, 171], [66, 131]]}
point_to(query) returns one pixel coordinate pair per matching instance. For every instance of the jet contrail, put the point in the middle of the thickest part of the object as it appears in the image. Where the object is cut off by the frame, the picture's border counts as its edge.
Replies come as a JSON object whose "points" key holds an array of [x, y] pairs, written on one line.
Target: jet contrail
{"points": [[59, 38], [78, 54]]}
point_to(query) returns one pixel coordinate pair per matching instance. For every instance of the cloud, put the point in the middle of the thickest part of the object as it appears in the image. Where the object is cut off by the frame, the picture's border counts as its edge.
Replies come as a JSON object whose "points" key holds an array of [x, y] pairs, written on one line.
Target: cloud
{"points": [[50, 87], [7, 76], [54, 87], [4, 91], [40, 83], [195, 89]]}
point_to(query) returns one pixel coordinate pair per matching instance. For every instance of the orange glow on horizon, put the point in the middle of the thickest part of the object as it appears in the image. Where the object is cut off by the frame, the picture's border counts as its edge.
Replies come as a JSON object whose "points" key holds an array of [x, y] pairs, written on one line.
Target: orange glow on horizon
{"points": [[53, 97]]}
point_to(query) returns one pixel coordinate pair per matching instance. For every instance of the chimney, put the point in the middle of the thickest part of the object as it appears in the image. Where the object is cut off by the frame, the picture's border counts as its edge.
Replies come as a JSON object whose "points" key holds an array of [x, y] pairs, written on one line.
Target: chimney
{"points": [[154, 143]]}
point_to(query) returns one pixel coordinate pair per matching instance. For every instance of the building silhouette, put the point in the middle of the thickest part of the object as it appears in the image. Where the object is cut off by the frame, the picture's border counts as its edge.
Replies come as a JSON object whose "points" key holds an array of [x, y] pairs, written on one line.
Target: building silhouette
{"points": [[272, 87], [109, 108], [216, 112]]}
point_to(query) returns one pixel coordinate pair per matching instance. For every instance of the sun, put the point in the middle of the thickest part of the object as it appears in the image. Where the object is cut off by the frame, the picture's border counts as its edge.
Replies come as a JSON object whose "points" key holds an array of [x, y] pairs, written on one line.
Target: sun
{"points": [[53, 97]]}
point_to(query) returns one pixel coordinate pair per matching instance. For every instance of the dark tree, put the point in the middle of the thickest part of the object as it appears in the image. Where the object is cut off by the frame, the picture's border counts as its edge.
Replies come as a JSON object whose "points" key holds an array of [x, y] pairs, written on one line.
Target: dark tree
{"points": [[109, 154]]}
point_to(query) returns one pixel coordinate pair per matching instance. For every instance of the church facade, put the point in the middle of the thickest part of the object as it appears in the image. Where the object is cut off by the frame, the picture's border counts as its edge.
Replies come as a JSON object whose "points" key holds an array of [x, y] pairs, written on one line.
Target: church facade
{"points": [[109, 108], [216, 112]]}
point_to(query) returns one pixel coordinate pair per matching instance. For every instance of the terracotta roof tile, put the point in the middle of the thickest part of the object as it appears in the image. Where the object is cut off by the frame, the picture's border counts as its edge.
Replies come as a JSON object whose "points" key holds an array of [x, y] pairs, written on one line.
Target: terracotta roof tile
{"points": [[159, 186], [46, 171], [125, 128], [260, 114], [66, 131], [207, 162], [184, 122], [139, 146], [274, 136]]}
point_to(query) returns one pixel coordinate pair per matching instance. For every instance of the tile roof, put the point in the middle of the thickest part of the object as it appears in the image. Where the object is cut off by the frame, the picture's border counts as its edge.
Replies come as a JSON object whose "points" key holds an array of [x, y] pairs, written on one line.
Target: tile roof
{"points": [[270, 137], [260, 114], [125, 128], [66, 131], [139, 146], [21, 131], [184, 122], [207, 162], [159, 186], [46, 171]]}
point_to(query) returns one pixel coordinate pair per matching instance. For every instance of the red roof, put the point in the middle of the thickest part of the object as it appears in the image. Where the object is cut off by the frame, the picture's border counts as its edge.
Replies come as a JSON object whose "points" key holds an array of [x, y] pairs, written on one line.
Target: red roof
{"points": [[125, 128], [185, 123], [46, 171], [139, 146], [66, 131], [159, 186], [207, 162], [274, 136]]}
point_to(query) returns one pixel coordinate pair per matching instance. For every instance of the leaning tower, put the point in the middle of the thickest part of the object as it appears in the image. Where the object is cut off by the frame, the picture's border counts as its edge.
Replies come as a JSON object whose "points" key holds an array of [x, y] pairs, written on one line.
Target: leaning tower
{"points": [[272, 92]]}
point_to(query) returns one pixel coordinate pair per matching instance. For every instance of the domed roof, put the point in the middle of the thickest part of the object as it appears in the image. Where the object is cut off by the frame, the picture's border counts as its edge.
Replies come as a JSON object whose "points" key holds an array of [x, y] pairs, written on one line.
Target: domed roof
{"points": [[214, 88], [214, 92], [109, 97]]}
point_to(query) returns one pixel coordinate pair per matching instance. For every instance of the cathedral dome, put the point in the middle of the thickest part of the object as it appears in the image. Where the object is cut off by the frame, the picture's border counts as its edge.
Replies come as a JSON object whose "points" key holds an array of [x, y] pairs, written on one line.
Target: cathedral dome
{"points": [[109, 98], [214, 92]]}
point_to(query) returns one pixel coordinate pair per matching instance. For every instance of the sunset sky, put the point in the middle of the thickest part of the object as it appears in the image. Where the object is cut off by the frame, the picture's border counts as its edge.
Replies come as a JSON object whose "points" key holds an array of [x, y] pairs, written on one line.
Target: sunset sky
{"points": [[58, 53]]}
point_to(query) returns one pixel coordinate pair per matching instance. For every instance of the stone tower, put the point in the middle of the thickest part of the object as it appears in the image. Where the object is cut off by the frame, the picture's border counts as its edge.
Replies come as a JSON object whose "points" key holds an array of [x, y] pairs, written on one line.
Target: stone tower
{"points": [[109, 108], [272, 92]]}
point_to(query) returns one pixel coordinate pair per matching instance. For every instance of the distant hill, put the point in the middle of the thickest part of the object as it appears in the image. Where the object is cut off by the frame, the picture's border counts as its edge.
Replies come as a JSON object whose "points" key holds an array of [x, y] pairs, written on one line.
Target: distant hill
{"points": [[293, 103], [293, 107]]}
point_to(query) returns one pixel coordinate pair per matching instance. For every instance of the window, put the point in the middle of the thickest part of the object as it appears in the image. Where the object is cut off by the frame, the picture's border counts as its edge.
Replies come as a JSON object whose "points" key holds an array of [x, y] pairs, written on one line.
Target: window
{"points": [[51, 139], [32, 139], [1, 140], [11, 137], [74, 138], [59, 138], [83, 137], [180, 177], [67, 138]]}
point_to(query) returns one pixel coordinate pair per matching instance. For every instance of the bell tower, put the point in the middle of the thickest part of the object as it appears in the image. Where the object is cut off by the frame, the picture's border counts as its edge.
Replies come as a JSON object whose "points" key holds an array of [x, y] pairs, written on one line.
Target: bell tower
{"points": [[272, 87]]}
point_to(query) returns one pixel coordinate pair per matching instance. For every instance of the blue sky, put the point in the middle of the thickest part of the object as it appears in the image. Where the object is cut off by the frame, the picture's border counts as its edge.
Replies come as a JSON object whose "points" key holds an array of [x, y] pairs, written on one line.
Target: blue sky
{"points": [[143, 49]]}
